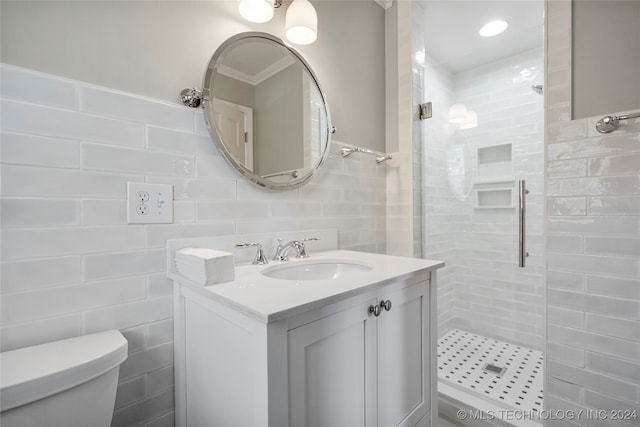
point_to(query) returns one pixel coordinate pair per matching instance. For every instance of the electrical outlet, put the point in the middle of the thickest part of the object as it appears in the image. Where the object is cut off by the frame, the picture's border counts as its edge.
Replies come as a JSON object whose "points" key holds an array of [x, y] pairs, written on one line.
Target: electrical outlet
{"points": [[149, 203], [142, 196]]}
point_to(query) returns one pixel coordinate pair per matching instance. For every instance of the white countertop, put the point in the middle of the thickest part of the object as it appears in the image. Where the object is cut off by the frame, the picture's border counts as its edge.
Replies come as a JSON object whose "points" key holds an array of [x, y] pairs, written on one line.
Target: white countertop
{"points": [[267, 299]]}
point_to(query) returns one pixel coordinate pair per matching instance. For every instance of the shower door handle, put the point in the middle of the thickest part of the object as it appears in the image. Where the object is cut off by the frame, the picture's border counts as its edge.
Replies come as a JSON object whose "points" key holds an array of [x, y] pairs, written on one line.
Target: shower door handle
{"points": [[522, 227]]}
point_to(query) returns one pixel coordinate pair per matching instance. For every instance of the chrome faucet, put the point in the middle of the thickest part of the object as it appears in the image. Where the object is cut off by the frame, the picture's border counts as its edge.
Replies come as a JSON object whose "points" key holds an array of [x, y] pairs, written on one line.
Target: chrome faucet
{"points": [[282, 250]]}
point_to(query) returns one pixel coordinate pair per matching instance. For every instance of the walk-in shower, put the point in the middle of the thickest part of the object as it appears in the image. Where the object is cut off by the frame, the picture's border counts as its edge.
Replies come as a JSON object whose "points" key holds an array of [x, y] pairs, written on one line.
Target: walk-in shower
{"points": [[485, 140]]}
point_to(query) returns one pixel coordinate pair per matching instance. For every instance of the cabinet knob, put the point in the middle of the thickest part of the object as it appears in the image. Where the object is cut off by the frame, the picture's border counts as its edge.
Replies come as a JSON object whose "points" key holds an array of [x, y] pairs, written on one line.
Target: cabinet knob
{"points": [[375, 310], [385, 304]]}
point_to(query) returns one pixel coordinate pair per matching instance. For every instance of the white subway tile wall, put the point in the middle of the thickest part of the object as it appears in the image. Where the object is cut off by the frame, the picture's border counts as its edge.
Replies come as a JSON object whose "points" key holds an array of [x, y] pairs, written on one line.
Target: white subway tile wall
{"points": [[593, 244], [70, 263], [482, 289]]}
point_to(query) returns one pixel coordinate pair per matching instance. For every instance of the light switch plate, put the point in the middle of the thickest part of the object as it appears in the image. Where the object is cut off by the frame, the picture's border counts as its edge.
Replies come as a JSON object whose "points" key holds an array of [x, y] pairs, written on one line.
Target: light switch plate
{"points": [[149, 203]]}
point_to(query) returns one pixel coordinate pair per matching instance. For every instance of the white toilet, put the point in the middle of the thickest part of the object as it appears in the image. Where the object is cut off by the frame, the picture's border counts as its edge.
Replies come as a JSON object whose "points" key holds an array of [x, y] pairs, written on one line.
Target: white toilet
{"points": [[68, 383]]}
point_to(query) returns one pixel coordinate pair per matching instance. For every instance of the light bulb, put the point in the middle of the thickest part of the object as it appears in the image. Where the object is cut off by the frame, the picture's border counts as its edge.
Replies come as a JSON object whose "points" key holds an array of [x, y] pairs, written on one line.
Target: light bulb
{"points": [[470, 121], [301, 22], [493, 28], [258, 11], [457, 113]]}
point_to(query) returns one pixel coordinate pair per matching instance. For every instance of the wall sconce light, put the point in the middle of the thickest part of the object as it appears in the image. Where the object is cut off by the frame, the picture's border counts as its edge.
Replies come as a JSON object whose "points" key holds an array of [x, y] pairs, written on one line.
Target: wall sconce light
{"points": [[301, 21], [471, 121]]}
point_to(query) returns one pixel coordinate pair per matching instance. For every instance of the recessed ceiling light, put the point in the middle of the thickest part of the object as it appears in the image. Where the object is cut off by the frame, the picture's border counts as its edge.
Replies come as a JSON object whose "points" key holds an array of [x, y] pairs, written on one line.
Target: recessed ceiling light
{"points": [[493, 28]]}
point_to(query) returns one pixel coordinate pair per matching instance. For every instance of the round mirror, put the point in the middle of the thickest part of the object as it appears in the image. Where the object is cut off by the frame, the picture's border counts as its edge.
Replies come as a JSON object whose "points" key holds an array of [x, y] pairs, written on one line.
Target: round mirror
{"points": [[265, 111]]}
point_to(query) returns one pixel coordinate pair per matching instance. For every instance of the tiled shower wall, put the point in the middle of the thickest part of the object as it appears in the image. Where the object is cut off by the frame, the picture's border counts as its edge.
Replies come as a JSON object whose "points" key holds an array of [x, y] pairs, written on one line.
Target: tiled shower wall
{"points": [[493, 296], [70, 263], [482, 289], [593, 244]]}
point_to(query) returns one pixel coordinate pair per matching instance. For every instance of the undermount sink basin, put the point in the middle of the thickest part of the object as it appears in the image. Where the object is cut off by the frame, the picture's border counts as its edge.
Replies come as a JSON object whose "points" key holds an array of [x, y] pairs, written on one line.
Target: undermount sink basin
{"points": [[315, 270]]}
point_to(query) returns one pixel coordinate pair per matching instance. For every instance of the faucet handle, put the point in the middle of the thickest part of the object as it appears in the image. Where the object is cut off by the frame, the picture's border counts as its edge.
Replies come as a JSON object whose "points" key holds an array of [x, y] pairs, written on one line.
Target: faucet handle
{"points": [[259, 259], [303, 249]]}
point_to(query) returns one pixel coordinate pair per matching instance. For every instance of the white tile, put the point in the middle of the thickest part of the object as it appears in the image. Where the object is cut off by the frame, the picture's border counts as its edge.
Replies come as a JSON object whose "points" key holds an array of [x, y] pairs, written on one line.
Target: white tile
{"points": [[612, 346], [613, 286], [159, 285], [593, 381], [591, 147], [49, 302], [565, 317], [102, 266], [567, 168], [184, 142], [561, 206], [157, 235], [37, 150], [626, 409], [39, 212], [23, 276], [616, 246], [128, 315], [184, 189], [40, 331], [96, 100], [136, 338], [53, 122], [565, 354], [104, 212], [614, 205], [215, 210], [167, 420], [249, 191], [214, 167], [138, 413], [564, 389], [594, 186], [159, 332], [31, 86], [147, 360], [184, 212], [161, 379], [625, 369], [566, 244], [594, 303], [604, 225], [615, 165], [614, 327], [109, 158], [21, 181], [131, 391], [563, 280], [622, 267], [341, 209], [48, 242], [296, 209]]}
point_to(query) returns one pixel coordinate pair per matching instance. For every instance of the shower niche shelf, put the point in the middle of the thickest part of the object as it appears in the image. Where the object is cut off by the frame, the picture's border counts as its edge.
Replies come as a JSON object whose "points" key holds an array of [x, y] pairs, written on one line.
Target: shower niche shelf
{"points": [[494, 198], [494, 163]]}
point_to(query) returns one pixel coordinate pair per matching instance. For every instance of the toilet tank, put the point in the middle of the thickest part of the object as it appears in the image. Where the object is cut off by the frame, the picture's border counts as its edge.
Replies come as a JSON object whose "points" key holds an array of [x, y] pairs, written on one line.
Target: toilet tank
{"points": [[68, 383]]}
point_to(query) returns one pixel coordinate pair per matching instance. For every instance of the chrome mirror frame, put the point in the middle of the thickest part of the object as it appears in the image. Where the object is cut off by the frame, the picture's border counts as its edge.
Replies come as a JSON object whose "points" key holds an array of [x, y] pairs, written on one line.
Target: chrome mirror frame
{"points": [[207, 98]]}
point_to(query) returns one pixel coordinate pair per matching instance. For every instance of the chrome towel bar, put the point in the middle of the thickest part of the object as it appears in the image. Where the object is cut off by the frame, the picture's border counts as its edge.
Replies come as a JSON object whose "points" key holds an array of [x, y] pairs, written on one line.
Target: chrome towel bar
{"points": [[380, 157], [608, 124]]}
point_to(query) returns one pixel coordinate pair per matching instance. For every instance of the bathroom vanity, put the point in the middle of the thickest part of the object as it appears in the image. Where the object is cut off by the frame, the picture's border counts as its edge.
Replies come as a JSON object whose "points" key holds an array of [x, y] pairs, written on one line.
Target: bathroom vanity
{"points": [[341, 338]]}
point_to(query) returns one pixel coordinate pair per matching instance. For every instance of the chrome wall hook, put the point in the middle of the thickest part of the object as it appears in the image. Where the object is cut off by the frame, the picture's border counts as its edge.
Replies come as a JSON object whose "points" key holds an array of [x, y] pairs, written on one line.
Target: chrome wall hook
{"points": [[191, 97]]}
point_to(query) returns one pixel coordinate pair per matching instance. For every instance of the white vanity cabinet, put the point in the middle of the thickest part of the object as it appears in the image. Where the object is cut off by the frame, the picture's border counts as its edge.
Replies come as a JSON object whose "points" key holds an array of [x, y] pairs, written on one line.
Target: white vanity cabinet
{"points": [[355, 369], [328, 362]]}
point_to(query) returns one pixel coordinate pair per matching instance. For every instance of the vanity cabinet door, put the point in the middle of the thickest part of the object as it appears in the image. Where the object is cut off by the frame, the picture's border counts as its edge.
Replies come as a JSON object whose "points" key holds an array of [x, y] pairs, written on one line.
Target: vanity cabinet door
{"points": [[403, 357], [332, 363]]}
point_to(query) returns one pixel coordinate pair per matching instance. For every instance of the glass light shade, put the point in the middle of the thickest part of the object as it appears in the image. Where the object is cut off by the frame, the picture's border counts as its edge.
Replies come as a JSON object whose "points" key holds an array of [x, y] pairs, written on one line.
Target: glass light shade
{"points": [[457, 113], [258, 11], [493, 28], [301, 22], [471, 120]]}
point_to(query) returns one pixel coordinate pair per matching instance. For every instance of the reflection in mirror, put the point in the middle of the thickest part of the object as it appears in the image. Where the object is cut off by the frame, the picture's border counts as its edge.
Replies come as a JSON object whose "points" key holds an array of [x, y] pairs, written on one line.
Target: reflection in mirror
{"points": [[266, 111], [605, 57]]}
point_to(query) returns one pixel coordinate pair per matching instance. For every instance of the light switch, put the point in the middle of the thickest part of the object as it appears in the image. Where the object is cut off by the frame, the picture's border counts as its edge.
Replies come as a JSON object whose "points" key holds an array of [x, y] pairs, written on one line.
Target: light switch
{"points": [[149, 203]]}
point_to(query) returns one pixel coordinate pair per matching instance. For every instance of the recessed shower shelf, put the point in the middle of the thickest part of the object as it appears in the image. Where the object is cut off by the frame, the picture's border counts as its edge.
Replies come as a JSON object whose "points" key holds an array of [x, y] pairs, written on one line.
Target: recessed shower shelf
{"points": [[496, 180]]}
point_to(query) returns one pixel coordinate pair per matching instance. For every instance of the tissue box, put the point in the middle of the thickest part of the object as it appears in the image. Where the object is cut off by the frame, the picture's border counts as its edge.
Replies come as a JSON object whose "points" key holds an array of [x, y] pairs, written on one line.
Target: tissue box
{"points": [[205, 266]]}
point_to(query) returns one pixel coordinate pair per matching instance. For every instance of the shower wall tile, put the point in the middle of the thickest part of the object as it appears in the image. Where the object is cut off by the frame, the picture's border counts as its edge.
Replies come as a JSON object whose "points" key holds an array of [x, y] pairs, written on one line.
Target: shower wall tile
{"points": [[71, 264], [602, 277]]}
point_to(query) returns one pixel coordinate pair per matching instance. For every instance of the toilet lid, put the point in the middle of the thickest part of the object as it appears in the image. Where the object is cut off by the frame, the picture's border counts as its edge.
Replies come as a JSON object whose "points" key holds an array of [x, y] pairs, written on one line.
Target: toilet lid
{"points": [[32, 373]]}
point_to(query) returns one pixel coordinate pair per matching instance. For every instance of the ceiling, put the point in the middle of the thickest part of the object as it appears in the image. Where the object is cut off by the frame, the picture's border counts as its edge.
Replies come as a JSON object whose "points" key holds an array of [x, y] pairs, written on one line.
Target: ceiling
{"points": [[452, 38]]}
